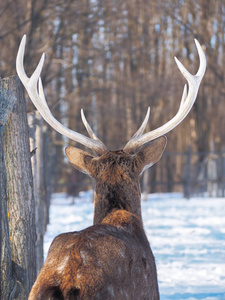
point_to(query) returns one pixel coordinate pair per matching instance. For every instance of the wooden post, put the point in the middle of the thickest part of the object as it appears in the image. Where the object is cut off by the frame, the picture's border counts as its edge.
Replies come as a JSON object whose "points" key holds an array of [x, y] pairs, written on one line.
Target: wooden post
{"points": [[18, 269]]}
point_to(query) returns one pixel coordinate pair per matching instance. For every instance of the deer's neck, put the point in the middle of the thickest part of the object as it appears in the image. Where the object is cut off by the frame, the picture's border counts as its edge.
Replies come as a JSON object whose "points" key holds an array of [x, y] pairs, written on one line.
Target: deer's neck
{"points": [[116, 197]]}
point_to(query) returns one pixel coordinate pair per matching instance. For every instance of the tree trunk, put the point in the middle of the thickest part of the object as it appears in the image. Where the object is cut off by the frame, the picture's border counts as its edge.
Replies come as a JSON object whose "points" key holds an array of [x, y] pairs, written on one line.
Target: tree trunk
{"points": [[6, 278], [36, 144], [40, 201], [41, 163], [18, 269]]}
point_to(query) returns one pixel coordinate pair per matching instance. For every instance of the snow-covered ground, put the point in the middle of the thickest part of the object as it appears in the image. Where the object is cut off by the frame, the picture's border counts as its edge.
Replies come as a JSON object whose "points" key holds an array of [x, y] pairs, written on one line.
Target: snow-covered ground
{"points": [[187, 238]]}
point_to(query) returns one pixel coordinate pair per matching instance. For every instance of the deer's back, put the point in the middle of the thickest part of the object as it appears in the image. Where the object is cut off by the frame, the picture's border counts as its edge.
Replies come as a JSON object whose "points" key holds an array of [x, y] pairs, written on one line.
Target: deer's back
{"points": [[104, 261]]}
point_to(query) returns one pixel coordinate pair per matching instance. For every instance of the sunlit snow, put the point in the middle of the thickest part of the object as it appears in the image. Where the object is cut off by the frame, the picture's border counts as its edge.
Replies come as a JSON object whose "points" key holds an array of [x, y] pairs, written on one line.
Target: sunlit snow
{"points": [[187, 238]]}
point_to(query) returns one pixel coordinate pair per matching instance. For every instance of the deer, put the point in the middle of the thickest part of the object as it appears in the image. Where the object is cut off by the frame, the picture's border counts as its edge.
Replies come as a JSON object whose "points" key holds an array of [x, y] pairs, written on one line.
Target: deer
{"points": [[112, 259]]}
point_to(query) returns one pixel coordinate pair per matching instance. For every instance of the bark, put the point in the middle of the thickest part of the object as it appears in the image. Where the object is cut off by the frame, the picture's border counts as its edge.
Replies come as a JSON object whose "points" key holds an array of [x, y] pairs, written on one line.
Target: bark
{"points": [[19, 236], [6, 278]]}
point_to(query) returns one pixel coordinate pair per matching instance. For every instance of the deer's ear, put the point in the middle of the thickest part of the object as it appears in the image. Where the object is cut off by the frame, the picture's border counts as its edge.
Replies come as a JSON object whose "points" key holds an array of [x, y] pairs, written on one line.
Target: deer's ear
{"points": [[150, 153], [79, 159]]}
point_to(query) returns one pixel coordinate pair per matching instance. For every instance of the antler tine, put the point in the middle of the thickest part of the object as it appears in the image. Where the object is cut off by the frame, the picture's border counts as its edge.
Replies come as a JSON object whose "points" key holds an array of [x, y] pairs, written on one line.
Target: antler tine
{"points": [[37, 72], [39, 101], [19, 60], [41, 93], [140, 131], [184, 96], [186, 104], [88, 127]]}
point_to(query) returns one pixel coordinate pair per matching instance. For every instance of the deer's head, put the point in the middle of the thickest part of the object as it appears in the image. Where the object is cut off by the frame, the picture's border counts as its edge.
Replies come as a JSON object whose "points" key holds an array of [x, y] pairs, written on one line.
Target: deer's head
{"points": [[116, 174]]}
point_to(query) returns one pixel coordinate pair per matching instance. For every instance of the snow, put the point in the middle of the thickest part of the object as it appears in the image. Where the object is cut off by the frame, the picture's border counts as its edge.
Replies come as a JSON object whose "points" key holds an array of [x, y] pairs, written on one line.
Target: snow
{"points": [[187, 238]]}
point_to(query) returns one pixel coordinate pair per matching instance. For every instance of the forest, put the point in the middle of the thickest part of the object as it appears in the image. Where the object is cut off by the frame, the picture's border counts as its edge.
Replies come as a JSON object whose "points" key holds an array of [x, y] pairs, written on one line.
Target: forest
{"points": [[114, 59]]}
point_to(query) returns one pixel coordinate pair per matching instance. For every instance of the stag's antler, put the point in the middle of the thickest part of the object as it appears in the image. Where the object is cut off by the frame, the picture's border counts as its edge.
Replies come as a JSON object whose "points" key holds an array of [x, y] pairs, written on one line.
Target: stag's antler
{"points": [[186, 104], [138, 139], [34, 89]]}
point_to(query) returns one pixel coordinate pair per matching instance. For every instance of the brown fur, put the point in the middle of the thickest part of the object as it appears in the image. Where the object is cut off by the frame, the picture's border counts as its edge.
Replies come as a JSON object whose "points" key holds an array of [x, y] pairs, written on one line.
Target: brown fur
{"points": [[111, 259]]}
